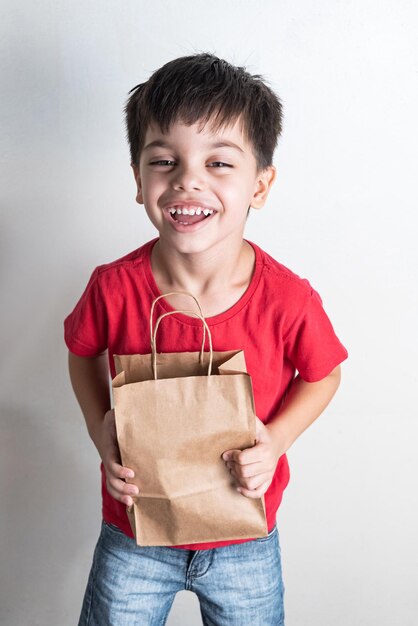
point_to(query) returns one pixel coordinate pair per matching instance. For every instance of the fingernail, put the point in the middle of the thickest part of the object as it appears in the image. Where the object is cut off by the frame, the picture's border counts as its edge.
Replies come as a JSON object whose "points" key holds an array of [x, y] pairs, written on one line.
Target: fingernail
{"points": [[130, 474], [225, 457]]}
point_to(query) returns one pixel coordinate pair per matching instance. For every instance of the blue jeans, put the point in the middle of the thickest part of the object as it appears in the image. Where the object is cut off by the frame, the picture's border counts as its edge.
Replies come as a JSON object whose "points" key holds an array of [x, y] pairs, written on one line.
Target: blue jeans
{"points": [[237, 585]]}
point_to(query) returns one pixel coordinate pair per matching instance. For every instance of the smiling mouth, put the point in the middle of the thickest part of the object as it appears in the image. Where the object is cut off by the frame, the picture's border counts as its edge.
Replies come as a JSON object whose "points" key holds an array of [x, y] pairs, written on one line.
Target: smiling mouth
{"points": [[190, 216]]}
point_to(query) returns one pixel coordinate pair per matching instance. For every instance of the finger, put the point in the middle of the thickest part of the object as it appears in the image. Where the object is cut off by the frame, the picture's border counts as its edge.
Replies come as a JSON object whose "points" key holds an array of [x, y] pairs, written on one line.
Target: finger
{"points": [[255, 481], [121, 491], [254, 493], [127, 500], [118, 470], [247, 456], [124, 498], [229, 454], [256, 454], [117, 475], [243, 457], [246, 471], [122, 487]]}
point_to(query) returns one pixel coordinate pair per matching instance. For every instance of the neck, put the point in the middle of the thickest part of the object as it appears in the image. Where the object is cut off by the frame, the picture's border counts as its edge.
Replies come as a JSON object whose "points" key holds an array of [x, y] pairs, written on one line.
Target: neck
{"points": [[202, 273]]}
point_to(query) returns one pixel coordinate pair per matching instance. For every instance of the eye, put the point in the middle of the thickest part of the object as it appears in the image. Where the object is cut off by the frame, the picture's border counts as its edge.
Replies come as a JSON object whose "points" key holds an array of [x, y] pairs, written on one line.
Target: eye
{"points": [[220, 164], [163, 162]]}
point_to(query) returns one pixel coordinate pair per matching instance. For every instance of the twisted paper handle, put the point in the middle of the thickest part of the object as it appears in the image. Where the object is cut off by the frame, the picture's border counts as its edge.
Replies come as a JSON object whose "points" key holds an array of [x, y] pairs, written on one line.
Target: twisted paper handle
{"points": [[153, 331], [170, 293]]}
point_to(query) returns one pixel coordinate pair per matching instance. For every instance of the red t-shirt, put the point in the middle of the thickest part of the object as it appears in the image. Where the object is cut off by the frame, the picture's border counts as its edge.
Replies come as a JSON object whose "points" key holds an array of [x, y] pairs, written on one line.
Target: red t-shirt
{"points": [[279, 322]]}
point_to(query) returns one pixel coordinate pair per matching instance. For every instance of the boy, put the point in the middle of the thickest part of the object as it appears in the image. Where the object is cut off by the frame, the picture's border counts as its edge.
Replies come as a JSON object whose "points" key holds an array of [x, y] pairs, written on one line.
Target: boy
{"points": [[202, 135]]}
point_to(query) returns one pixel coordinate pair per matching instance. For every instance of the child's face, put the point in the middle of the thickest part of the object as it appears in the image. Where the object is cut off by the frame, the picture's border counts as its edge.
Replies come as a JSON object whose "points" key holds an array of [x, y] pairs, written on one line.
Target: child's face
{"points": [[188, 169]]}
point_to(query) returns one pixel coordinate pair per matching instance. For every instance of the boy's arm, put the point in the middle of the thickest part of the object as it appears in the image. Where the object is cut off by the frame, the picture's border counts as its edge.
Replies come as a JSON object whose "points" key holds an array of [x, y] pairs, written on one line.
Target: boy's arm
{"points": [[90, 381], [254, 467]]}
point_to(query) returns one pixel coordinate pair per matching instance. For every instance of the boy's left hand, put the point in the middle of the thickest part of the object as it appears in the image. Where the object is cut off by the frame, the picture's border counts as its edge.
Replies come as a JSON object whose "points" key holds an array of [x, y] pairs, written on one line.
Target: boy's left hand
{"points": [[254, 467]]}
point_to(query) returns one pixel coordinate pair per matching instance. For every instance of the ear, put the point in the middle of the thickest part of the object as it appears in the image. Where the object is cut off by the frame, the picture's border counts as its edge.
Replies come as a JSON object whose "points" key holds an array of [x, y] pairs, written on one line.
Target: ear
{"points": [[265, 180], [139, 196]]}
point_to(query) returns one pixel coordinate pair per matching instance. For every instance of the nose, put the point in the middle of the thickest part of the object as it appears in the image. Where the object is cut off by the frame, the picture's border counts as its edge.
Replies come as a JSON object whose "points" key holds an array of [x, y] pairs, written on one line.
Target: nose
{"points": [[188, 179]]}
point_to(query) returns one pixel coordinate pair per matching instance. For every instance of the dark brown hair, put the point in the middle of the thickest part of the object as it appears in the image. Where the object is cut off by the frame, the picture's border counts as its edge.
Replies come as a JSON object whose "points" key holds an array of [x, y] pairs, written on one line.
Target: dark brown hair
{"points": [[199, 88]]}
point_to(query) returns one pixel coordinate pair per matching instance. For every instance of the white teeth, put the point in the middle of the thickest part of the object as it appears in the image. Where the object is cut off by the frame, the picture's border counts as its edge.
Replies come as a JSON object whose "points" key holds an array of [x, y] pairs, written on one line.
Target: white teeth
{"points": [[197, 211]]}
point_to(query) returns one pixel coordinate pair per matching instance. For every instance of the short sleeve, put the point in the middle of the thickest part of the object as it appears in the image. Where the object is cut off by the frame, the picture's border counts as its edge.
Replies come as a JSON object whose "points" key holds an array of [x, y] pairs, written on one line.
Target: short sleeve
{"points": [[85, 329], [311, 343]]}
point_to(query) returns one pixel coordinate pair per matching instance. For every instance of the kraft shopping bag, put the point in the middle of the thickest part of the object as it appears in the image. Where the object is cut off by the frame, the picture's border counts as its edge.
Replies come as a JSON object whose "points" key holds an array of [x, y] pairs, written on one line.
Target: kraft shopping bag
{"points": [[176, 413]]}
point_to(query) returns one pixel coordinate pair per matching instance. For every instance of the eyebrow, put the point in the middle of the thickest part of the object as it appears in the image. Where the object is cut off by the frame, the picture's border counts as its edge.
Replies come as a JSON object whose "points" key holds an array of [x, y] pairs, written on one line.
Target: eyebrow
{"points": [[160, 143], [227, 144]]}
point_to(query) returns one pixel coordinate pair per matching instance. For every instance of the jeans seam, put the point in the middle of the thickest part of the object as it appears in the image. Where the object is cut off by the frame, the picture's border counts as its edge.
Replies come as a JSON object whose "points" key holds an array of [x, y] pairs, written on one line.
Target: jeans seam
{"points": [[93, 584]]}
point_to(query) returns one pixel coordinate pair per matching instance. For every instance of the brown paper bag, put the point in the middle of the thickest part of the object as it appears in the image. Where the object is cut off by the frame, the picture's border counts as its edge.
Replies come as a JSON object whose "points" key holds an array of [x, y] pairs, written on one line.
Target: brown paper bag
{"points": [[175, 416]]}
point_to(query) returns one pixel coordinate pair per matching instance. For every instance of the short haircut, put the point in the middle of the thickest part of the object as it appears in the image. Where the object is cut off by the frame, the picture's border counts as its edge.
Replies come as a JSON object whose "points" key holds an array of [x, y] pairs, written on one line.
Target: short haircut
{"points": [[199, 88]]}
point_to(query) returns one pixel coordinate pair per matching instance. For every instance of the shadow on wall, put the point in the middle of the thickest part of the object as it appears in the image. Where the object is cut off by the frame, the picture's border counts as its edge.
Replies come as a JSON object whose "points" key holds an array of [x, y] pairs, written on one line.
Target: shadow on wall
{"points": [[50, 516]]}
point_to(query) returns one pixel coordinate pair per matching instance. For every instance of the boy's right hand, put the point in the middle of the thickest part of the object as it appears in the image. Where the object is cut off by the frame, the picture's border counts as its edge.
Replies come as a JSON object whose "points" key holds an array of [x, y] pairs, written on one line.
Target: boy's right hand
{"points": [[115, 472]]}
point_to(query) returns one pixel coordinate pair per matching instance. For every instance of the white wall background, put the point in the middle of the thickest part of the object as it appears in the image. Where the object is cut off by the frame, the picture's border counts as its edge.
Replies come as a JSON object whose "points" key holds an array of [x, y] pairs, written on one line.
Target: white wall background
{"points": [[342, 213]]}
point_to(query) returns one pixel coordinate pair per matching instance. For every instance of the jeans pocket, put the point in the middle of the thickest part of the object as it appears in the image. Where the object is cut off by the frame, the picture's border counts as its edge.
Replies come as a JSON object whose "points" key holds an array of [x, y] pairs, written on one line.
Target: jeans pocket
{"points": [[269, 536], [112, 527], [113, 536]]}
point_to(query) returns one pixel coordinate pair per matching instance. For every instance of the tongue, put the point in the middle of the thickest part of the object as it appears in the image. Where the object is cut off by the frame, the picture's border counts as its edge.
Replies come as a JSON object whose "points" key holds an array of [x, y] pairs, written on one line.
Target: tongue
{"points": [[189, 219]]}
